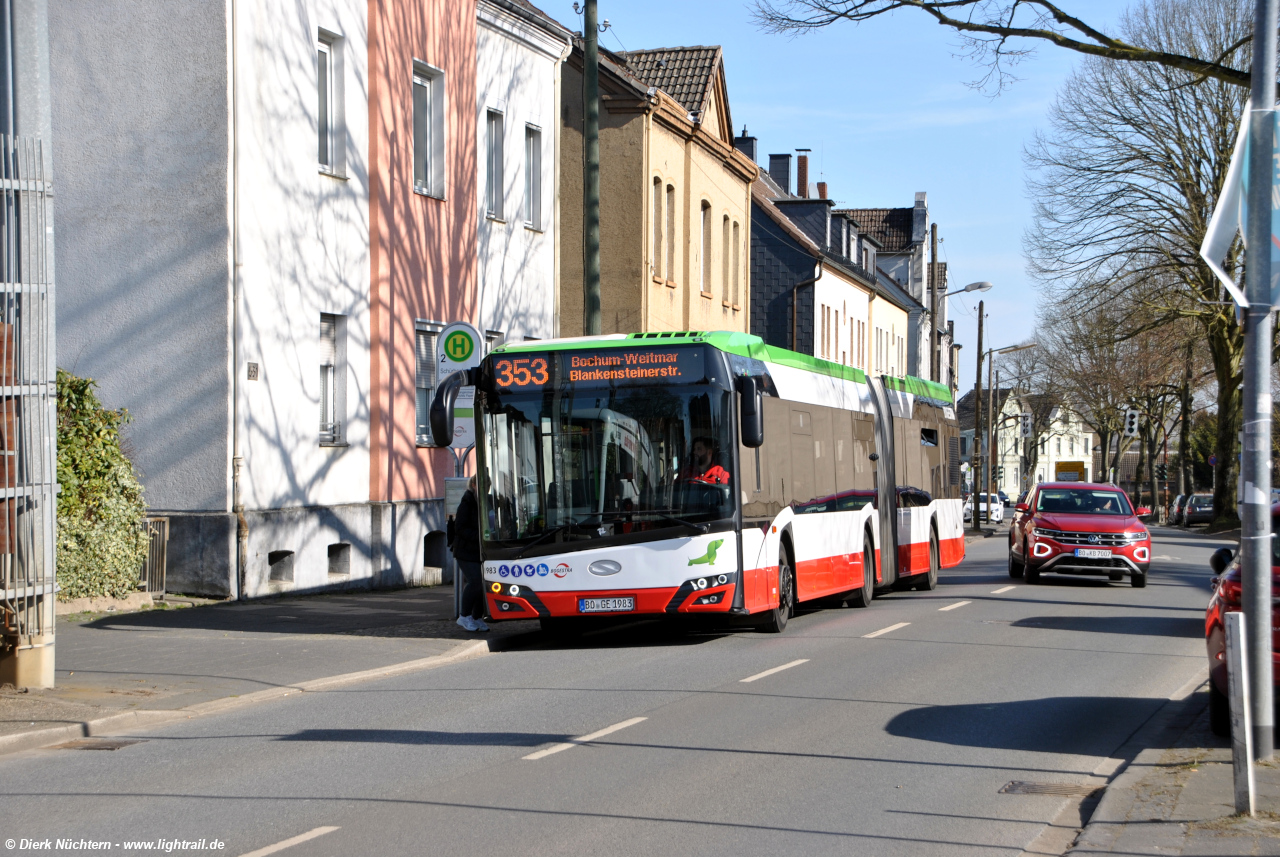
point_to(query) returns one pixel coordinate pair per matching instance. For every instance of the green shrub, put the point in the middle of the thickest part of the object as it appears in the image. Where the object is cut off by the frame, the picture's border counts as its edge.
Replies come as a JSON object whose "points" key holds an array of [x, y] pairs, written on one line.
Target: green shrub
{"points": [[101, 543]]}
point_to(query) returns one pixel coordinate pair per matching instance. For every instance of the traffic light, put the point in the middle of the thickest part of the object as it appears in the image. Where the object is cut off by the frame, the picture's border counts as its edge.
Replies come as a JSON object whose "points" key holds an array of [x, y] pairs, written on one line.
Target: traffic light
{"points": [[1026, 425], [1000, 472], [1131, 423], [1162, 472]]}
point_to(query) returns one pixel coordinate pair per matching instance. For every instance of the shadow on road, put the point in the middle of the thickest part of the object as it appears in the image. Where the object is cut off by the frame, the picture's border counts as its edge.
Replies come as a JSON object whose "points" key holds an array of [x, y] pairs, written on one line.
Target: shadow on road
{"points": [[1145, 626], [1058, 724]]}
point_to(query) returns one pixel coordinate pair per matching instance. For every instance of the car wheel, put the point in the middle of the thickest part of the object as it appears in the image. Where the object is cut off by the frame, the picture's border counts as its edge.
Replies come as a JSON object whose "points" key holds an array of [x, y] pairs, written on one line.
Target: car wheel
{"points": [[1015, 567], [1219, 712], [863, 596], [1138, 579], [1115, 576], [1030, 573]]}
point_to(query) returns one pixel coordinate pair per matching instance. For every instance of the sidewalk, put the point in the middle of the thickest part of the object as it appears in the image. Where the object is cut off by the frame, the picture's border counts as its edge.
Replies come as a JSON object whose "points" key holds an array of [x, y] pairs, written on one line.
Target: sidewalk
{"points": [[1178, 799], [164, 664]]}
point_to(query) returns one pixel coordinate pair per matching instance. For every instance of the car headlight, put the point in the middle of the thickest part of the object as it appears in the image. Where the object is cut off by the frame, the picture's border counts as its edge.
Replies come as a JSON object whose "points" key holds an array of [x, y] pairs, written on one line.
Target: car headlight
{"points": [[1047, 534], [1141, 535]]}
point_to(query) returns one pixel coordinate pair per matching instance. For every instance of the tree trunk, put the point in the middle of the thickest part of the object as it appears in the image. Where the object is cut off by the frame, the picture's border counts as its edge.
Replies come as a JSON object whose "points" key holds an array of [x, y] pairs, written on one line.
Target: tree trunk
{"points": [[1104, 447], [1153, 444], [1185, 485], [1137, 473], [1226, 367]]}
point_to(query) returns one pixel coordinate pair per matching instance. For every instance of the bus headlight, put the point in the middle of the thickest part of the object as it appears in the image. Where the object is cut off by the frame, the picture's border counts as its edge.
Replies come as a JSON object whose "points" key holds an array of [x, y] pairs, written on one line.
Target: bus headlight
{"points": [[513, 590]]}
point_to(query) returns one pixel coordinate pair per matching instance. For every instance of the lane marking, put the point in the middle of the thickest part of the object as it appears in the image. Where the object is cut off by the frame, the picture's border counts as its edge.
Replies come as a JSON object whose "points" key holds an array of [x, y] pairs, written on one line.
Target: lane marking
{"points": [[1002, 589], [953, 606], [885, 630], [775, 670], [585, 739], [290, 842]]}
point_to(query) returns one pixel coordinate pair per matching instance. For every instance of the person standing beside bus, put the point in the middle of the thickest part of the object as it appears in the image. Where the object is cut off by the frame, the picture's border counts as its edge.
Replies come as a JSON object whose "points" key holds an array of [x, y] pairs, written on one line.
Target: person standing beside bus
{"points": [[466, 550]]}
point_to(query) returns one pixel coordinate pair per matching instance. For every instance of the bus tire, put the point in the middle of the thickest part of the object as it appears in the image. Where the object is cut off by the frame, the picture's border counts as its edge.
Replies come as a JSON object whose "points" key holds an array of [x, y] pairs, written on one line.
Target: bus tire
{"points": [[866, 594], [929, 581], [776, 619]]}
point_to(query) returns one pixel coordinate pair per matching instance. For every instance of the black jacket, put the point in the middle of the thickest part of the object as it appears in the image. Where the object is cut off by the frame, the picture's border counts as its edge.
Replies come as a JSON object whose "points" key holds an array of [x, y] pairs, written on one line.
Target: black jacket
{"points": [[466, 529]]}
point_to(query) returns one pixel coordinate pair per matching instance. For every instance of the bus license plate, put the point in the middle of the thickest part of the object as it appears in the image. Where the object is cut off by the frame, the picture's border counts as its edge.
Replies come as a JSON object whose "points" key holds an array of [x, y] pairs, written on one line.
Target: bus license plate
{"points": [[1093, 553], [606, 605]]}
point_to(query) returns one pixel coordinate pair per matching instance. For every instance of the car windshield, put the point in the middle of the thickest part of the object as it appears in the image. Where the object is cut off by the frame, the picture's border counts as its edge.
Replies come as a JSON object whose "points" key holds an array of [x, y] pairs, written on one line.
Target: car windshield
{"points": [[1083, 501], [569, 463]]}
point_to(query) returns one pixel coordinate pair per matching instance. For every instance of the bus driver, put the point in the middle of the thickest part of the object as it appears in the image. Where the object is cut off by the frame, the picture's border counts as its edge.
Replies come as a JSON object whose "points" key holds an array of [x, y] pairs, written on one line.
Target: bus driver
{"points": [[702, 466]]}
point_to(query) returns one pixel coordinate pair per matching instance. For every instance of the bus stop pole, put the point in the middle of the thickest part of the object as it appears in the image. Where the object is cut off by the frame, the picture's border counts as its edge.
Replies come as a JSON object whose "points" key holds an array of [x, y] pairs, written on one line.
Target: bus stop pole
{"points": [[1255, 461]]}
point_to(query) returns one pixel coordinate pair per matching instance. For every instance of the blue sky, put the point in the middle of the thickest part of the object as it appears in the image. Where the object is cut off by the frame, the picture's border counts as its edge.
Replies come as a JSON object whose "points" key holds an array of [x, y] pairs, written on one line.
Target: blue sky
{"points": [[885, 108]]}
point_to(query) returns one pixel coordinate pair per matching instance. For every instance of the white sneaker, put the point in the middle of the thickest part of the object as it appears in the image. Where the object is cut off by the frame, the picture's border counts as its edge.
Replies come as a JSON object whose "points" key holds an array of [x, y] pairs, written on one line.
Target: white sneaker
{"points": [[468, 623], [480, 625]]}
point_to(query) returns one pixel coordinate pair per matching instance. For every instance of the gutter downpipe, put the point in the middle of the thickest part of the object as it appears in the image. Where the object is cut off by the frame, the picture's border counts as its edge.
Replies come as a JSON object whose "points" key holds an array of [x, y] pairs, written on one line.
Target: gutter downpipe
{"points": [[795, 300], [237, 504]]}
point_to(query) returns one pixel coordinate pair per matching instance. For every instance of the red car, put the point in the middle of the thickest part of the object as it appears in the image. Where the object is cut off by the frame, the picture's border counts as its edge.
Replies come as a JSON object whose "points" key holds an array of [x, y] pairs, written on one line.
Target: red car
{"points": [[1226, 598], [1079, 528]]}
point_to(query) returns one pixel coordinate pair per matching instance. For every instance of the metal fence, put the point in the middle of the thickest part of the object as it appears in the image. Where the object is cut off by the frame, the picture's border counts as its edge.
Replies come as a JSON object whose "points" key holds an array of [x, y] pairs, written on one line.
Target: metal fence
{"points": [[153, 567], [28, 413]]}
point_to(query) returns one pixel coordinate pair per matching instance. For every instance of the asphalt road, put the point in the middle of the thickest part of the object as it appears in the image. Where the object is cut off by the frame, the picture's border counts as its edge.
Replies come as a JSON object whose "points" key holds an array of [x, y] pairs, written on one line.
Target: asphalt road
{"points": [[896, 744]]}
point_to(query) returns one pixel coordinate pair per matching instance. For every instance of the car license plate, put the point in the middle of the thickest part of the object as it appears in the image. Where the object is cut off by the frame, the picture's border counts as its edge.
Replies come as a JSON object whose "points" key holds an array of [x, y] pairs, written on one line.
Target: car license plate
{"points": [[1093, 553], [606, 605]]}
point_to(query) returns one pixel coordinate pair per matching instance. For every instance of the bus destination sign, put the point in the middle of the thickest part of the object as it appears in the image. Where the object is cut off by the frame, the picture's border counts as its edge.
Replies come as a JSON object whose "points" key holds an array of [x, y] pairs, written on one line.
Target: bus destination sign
{"points": [[600, 368]]}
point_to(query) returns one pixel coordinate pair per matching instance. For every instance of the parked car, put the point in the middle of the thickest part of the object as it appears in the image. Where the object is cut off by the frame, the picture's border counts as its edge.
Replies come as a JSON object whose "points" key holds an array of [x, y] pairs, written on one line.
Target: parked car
{"points": [[1199, 510], [1226, 599], [1175, 510], [1004, 498], [997, 508], [1079, 528]]}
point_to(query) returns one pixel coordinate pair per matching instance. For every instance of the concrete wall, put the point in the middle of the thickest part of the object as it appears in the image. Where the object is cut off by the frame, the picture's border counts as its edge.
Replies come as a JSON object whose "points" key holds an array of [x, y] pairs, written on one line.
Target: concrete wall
{"points": [[304, 240], [517, 74], [140, 120]]}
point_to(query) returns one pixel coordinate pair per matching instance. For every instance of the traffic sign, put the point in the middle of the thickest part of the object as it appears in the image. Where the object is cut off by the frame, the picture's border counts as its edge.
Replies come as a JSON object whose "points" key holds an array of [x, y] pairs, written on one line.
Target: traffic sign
{"points": [[1213, 461], [458, 348]]}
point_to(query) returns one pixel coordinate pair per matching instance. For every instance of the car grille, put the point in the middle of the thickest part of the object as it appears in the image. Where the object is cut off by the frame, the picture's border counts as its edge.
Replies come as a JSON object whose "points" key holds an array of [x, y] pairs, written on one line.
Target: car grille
{"points": [[1088, 562], [1103, 540]]}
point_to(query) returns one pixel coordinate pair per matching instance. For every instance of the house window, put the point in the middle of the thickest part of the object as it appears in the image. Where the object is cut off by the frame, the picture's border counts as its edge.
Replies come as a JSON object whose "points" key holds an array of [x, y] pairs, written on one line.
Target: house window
{"points": [[332, 387], [493, 165], [428, 130], [725, 245], [425, 334], [705, 249], [1058, 447], [1071, 445], [671, 233], [657, 228], [532, 177], [329, 122], [737, 263]]}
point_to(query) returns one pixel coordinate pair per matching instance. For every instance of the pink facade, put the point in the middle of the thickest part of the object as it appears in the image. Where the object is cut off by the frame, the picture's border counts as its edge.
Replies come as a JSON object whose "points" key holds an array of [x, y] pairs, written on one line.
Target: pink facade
{"points": [[422, 246]]}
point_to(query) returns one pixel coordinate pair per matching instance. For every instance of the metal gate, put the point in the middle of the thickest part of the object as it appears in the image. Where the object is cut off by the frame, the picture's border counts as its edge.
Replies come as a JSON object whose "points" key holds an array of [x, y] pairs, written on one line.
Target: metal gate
{"points": [[28, 411], [153, 567]]}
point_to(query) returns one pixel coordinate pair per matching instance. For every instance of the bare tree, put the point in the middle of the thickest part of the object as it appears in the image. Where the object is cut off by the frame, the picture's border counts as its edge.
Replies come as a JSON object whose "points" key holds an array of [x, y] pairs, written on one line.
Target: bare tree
{"points": [[998, 33], [1124, 185]]}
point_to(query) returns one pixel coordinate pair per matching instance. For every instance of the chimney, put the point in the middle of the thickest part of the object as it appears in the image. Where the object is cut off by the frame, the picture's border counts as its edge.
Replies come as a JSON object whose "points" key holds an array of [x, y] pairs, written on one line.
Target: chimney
{"points": [[802, 176], [746, 144], [780, 171], [822, 190]]}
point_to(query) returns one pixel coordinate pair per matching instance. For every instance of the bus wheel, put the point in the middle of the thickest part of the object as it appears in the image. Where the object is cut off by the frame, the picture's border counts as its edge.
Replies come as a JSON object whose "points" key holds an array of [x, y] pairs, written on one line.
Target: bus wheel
{"points": [[862, 597], [930, 580], [776, 622]]}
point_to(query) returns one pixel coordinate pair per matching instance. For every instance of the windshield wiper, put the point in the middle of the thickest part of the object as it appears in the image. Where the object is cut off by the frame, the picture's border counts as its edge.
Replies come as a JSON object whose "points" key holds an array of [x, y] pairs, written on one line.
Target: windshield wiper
{"points": [[702, 528], [551, 532]]}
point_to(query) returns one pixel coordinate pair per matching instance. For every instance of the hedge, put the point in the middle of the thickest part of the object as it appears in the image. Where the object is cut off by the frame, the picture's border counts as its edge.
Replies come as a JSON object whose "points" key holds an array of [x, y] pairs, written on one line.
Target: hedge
{"points": [[101, 541]]}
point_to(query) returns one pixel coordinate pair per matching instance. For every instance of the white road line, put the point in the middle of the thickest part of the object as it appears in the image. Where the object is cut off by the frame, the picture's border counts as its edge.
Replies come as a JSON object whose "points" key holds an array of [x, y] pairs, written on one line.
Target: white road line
{"points": [[292, 841], [585, 739], [775, 670], [885, 630], [1002, 589], [953, 606]]}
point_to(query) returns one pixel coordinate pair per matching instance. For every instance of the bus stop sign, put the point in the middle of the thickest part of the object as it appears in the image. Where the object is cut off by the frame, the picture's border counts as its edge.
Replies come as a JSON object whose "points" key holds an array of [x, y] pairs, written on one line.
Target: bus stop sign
{"points": [[458, 348]]}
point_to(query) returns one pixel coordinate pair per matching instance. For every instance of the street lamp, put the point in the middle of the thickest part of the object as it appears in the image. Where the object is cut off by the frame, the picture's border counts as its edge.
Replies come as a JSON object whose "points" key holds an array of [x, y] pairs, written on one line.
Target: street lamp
{"points": [[980, 286], [991, 439]]}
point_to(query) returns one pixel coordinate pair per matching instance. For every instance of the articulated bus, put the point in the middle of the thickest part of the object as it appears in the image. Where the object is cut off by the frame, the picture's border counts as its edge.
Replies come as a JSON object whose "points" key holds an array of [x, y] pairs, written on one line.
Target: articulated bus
{"points": [[702, 473]]}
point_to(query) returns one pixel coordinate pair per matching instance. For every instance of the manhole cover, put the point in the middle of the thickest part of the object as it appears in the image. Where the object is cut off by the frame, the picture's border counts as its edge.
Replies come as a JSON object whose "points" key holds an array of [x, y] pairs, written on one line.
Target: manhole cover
{"points": [[1018, 787], [97, 744]]}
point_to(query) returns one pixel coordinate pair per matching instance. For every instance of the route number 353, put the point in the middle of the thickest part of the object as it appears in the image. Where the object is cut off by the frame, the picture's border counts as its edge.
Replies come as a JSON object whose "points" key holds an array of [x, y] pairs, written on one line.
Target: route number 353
{"points": [[522, 372]]}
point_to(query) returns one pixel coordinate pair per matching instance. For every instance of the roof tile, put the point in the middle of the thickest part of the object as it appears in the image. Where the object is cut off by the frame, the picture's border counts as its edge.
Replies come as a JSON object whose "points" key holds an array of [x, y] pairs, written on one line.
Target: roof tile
{"points": [[685, 74]]}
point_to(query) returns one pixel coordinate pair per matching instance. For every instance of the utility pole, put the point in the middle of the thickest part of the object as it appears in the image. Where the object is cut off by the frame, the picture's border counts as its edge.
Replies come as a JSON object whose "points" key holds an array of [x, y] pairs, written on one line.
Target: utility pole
{"points": [[1255, 470], [991, 435], [975, 458], [935, 341], [590, 171]]}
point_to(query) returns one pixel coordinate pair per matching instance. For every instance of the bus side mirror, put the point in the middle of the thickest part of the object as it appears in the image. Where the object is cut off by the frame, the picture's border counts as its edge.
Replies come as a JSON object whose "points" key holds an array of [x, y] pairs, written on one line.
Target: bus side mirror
{"points": [[441, 416], [751, 412]]}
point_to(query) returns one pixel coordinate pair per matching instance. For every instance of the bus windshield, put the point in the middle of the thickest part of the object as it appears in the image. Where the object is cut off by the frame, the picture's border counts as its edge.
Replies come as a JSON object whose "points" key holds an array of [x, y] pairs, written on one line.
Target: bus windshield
{"points": [[575, 465]]}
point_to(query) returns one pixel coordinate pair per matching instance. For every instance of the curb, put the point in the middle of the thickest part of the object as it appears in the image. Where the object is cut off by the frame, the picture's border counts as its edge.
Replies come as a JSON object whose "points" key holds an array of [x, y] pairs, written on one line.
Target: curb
{"points": [[1112, 811], [129, 720]]}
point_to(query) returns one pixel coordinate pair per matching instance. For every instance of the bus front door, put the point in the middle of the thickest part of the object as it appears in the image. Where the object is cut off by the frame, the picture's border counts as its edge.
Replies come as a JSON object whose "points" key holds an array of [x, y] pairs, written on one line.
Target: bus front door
{"points": [[886, 484]]}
